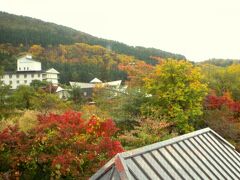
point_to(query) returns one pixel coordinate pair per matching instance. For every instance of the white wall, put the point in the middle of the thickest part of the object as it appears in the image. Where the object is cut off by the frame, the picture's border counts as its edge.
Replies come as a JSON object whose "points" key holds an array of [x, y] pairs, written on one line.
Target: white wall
{"points": [[20, 79], [50, 77], [25, 64]]}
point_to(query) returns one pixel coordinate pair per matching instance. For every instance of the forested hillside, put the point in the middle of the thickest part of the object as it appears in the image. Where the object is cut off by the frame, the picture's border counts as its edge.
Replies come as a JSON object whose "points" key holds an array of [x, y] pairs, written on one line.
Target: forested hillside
{"points": [[221, 62], [28, 31], [75, 62]]}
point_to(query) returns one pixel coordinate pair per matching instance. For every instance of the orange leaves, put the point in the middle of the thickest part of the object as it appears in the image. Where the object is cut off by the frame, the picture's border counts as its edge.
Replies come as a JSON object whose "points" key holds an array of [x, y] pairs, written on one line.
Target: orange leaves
{"points": [[36, 50], [137, 71]]}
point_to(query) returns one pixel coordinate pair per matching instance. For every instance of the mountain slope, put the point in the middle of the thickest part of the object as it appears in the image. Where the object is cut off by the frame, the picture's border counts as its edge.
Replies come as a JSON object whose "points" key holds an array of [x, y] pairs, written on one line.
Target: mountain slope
{"points": [[27, 31]]}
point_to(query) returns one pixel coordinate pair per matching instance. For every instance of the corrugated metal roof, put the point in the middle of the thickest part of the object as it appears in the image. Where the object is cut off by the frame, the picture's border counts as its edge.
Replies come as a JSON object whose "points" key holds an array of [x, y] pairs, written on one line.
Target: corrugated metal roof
{"points": [[201, 154]]}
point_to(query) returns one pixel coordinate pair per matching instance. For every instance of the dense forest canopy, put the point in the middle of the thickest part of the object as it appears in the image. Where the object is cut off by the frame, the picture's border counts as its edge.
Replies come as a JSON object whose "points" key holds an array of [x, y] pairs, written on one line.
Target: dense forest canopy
{"points": [[28, 31]]}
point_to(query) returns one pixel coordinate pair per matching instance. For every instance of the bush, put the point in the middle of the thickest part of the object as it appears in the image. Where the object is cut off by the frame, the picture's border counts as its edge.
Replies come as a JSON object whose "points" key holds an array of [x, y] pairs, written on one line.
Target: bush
{"points": [[222, 114], [60, 146], [148, 131]]}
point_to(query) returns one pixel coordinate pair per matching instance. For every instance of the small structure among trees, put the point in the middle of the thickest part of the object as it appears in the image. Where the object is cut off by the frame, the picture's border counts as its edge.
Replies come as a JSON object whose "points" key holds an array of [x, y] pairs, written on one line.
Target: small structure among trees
{"points": [[87, 88]]}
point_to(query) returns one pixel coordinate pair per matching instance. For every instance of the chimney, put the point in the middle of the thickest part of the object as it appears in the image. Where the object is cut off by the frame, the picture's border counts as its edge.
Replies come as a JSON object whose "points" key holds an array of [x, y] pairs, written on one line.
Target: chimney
{"points": [[29, 57]]}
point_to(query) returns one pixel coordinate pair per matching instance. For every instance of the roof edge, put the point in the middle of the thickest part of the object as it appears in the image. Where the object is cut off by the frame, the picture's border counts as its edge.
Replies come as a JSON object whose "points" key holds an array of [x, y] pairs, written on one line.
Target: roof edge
{"points": [[25, 56], [106, 167], [222, 139], [160, 144]]}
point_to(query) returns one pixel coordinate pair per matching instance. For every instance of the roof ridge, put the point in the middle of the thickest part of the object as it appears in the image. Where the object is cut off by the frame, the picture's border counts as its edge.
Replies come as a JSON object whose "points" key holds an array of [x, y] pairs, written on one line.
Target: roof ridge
{"points": [[121, 167], [160, 144]]}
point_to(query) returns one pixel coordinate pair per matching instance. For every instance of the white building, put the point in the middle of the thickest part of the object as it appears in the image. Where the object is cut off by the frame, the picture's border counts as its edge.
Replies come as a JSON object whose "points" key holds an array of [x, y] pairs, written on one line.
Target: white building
{"points": [[51, 75], [27, 71]]}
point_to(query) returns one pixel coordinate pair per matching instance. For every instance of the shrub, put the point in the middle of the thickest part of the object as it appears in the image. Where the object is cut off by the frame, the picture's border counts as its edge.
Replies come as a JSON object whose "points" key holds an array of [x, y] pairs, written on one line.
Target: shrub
{"points": [[147, 131], [222, 114], [60, 146]]}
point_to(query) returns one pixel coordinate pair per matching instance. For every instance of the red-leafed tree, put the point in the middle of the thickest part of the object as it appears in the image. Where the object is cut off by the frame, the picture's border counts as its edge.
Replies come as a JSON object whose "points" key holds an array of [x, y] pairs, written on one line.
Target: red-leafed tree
{"points": [[59, 146], [222, 114]]}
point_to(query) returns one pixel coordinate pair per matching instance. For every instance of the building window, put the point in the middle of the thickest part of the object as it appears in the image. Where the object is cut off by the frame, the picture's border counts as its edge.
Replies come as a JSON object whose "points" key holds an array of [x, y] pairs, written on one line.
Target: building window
{"points": [[25, 75], [17, 75], [19, 69], [32, 75], [25, 81], [10, 82], [38, 75], [10, 76], [17, 81], [24, 68], [27, 68]]}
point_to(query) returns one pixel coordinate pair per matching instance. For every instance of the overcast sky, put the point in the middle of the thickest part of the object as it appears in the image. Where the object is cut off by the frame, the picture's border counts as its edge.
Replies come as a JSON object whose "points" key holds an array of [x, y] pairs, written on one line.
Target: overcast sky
{"points": [[198, 29]]}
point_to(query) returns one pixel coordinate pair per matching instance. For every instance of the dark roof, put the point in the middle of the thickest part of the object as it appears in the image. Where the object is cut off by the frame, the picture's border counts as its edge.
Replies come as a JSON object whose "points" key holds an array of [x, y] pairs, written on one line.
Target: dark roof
{"points": [[201, 154]]}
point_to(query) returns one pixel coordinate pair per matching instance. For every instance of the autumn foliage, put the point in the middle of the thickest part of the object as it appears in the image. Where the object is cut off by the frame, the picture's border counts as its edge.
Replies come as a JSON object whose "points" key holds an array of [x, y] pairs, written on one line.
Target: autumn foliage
{"points": [[217, 102], [136, 71], [222, 114], [59, 146]]}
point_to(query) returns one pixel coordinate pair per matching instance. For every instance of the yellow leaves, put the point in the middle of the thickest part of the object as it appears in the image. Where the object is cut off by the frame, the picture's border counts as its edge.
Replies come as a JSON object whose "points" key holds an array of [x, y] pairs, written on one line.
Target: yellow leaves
{"points": [[223, 79], [36, 50], [178, 90]]}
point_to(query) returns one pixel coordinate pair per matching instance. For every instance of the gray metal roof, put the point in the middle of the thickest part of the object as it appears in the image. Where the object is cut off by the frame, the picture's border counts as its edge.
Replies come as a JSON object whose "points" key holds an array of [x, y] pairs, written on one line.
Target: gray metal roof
{"points": [[201, 154]]}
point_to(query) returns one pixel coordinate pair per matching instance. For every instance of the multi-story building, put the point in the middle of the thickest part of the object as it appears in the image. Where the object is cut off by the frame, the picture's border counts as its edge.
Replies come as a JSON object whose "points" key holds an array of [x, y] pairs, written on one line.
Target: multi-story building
{"points": [[27, 71]]}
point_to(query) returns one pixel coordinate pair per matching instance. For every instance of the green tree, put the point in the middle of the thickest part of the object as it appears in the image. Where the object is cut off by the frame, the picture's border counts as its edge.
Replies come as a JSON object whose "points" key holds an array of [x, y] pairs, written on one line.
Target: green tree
{"points": [[36, 84], [223, 79], [5, 104], [22, 97], [76, 95], [177, 94], [46, 102]]}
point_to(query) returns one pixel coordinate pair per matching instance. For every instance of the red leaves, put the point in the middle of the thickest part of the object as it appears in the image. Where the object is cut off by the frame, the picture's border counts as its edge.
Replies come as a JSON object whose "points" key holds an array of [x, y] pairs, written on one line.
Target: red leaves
{"points": [[112, 147], [214, 102], [64, 144], [217, 102]]}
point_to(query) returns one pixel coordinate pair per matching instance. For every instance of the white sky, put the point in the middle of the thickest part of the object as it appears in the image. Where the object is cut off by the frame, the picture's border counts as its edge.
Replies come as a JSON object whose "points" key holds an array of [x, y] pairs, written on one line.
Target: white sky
{"points": [[198, 29]]}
